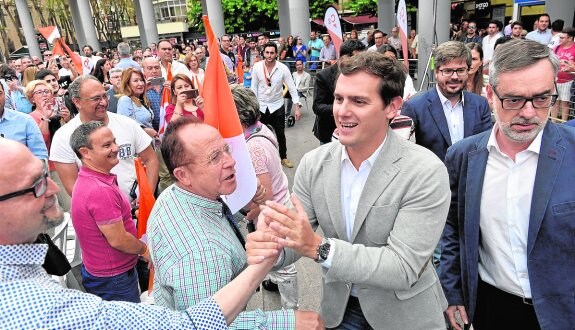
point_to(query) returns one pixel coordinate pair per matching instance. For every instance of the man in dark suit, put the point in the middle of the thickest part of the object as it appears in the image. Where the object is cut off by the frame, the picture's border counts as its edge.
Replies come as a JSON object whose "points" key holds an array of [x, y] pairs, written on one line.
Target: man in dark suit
{"points": [[508, 247], [324, 87], [447, 114]]}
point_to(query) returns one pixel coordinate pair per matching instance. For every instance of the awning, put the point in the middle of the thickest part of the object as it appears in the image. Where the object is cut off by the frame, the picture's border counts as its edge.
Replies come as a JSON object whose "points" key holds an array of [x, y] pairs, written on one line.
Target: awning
{"points": [[361, 19], [318, 21]]}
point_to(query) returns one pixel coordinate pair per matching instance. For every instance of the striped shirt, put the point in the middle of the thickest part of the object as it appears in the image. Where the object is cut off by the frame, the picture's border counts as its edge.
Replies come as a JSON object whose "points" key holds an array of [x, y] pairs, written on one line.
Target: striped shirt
{"points": [[195, 253]]}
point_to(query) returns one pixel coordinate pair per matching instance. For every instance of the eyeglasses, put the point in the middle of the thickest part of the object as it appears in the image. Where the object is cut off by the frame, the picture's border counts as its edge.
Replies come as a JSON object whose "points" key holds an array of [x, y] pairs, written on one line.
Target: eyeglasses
{"points": [[544, 101], [461, 72], [38, 188], [96, 99], [215, 158], [43, 92], [472, 27]]}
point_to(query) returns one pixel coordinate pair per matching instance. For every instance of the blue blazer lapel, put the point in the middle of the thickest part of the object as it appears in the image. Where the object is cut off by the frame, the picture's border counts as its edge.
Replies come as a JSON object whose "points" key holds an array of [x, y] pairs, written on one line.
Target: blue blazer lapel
{"points": [[436, 109], [477, 162], [469, 115], [550, 159]]}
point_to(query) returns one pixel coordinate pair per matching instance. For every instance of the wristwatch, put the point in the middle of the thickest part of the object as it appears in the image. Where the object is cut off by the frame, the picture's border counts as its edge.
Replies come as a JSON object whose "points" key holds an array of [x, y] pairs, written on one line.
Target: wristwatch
{"points": [[323, 250]]}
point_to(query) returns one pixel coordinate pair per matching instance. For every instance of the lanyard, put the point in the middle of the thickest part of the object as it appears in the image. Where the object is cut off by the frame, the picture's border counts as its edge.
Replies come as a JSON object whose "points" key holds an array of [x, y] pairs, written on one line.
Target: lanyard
{"points": [[268, 78]]}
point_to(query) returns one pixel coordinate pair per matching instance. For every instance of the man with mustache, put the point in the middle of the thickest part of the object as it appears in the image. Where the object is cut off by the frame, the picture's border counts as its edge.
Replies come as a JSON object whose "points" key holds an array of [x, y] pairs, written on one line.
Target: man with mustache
{"points": [[508, 242], [447, 113]]}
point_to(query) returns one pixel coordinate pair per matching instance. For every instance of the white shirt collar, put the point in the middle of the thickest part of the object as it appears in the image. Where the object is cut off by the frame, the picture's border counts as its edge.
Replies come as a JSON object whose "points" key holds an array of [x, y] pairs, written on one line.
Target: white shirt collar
{"points": [[371, 159]]}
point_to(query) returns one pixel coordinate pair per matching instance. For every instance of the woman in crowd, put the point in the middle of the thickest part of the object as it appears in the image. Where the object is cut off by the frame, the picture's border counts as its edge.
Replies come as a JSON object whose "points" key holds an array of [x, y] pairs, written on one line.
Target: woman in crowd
{"points": [[263, 149], [193, 63], [289, 48], [183, 105], [300, 50], [134, 103], [101, 71], [58, 104], [353, 35], [475, 76], [41, 96], [408, 89], [28, 75]]}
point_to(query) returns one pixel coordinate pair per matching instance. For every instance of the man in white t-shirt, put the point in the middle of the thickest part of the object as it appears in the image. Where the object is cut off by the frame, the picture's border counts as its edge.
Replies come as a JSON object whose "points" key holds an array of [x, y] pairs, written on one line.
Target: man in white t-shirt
{"points": [[493, 33], [89, 60], [90, 98], [166, 57]]}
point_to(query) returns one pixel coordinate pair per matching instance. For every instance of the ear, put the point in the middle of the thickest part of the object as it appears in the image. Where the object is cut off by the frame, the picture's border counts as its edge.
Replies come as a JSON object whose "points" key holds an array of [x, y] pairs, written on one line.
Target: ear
{"points": [[85, 152], [182, 176], [394, 107], [76, 102], [490, 95]]}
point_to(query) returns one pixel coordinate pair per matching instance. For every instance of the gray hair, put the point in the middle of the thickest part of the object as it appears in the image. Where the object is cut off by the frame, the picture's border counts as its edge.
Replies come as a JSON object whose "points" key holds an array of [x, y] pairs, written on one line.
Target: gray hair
{"points": [[518, 54], [115, 70], [451, 50], [247, 105], [80, 138], [124, 49], [76, 85]]}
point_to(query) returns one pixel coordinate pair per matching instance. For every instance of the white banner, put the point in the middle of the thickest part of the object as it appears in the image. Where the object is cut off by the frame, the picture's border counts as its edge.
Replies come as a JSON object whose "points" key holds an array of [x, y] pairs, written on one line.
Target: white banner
{"points": [[402, 24], [333, 25]]}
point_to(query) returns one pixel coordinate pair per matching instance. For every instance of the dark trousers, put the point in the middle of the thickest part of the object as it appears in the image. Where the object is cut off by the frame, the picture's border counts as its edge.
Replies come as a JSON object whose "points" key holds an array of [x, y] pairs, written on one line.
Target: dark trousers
{"points": [[277, 120], [497, 309], [122, 287], [353, 318]]}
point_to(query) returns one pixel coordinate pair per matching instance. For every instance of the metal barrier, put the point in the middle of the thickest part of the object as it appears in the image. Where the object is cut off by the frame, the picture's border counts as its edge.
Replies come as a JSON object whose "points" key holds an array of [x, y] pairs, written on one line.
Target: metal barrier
{"points": [[570, 108]]}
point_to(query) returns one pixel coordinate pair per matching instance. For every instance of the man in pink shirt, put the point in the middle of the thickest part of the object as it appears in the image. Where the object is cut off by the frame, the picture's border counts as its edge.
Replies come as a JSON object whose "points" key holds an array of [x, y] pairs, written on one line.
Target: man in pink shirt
{"points": [[102, 218]]}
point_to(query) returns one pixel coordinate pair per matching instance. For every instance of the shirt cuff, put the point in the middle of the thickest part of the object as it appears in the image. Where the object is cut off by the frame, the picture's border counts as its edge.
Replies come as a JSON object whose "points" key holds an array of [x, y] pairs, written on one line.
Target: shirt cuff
{"points": [[327, 262], [207, 315], [280, 260]]}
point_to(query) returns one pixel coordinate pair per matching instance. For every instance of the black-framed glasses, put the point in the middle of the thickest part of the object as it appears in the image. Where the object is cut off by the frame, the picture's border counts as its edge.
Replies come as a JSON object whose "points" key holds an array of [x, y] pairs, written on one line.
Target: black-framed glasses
{"points": [[544, 101], [38, 188], [461, 72]]}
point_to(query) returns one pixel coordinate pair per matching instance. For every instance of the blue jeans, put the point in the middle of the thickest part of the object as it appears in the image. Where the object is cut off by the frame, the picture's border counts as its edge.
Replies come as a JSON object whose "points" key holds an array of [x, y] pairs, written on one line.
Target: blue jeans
{"points": [[353, 318], [122, 287]]}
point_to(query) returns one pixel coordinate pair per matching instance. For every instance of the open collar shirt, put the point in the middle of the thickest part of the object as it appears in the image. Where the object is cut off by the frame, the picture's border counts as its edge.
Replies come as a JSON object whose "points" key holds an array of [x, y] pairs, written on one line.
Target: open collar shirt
{"points": [[195, 253], [271, 97], [453, 115], [31, 299]]}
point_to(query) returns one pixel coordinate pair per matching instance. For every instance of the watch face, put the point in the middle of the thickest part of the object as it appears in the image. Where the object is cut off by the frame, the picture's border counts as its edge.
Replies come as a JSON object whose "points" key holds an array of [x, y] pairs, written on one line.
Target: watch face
{"points": [[324, 250]]}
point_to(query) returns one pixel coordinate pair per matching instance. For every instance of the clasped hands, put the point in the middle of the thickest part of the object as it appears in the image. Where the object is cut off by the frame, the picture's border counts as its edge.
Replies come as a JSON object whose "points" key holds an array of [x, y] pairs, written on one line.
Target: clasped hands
{"points": [[279, 227]]}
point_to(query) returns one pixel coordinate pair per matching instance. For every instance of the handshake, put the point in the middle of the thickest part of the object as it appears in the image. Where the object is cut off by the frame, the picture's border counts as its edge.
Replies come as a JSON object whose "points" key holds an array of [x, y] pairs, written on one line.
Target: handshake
{"points": [[278, 227]]}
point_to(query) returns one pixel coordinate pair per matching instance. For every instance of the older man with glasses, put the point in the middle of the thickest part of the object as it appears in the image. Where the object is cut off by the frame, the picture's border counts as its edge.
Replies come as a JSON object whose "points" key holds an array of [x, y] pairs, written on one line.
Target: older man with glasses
{"points": [[91, 99]]}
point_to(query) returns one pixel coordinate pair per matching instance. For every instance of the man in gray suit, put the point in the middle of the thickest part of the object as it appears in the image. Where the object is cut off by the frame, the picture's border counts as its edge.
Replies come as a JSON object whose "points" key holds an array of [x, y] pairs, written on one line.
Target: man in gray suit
{"points": [[381, 202]]}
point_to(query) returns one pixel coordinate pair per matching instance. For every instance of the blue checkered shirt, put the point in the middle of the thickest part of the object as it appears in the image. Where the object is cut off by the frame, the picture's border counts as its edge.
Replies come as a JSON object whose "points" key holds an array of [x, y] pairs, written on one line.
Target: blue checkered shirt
{"points": [[155, 99], [31, 299], [195, 253]]}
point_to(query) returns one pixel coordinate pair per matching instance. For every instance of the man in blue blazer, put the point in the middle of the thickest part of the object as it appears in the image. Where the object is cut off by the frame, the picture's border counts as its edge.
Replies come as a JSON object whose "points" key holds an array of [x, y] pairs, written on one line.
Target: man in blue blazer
{"points": [[446, 114], [508, 258]]}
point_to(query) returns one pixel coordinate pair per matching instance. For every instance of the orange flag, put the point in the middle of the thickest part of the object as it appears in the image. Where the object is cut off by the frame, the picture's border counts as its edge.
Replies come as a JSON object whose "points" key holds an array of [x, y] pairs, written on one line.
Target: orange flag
{"points": [[166, 96], [220, 112], [52, 35], [240, 71], [147, 198]]}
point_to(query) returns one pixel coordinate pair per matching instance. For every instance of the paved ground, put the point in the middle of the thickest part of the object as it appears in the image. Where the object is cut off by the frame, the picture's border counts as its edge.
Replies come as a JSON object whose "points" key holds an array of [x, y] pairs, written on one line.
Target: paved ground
{"points": [[300, 140]]}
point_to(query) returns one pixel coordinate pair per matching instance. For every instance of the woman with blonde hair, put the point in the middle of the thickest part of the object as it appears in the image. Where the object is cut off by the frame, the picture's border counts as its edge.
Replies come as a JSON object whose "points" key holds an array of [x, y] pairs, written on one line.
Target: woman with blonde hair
{"points": [[134, 103], [193, 63], [183, 102], [40, 94]]}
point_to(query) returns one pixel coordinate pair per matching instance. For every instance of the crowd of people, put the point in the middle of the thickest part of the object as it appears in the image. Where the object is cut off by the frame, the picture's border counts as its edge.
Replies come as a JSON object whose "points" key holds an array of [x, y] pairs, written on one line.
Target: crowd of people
{"points": [[464, 218]]}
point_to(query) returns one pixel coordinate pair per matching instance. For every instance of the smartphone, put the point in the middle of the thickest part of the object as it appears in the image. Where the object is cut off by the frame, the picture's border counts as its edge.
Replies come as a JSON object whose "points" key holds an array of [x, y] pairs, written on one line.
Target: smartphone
{"points": [[191, 94], [157, 81], [57, 60]]}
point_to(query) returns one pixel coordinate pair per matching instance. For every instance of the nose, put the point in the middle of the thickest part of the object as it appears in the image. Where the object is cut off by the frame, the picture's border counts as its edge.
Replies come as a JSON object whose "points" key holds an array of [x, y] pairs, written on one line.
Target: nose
{"points": [[528, 111], [52, 188], [229, 160]]}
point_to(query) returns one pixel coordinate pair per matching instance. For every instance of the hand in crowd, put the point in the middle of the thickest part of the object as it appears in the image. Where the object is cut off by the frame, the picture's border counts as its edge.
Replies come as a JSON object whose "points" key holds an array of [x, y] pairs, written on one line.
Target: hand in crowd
{"points": [[260, 195], [308, 320], [200, 102], [297, 114], [450, 313], [167, 84], [65, 115], [181, 100], [151, 132], [47, 108], [13, 84], [262, 244]]}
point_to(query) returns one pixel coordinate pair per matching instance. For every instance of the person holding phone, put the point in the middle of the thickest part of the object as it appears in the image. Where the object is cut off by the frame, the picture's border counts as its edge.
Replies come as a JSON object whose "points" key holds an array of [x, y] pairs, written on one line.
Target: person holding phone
{"points": [[185, 98], [134, 103]]}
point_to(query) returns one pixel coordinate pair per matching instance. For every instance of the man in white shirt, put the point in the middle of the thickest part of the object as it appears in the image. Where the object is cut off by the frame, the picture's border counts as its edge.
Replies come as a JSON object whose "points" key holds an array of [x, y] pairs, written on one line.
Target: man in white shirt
{"points": [[381, 202], [508, 249], [91, 99], [380, 38], [268, 78], [166, 57], [556, 29], [89, 60], [542, 34], [493, 28]]}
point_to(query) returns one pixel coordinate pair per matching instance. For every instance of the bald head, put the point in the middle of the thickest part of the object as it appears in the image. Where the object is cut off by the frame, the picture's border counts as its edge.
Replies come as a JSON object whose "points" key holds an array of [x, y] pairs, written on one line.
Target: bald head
{"points": [[24, 177]]}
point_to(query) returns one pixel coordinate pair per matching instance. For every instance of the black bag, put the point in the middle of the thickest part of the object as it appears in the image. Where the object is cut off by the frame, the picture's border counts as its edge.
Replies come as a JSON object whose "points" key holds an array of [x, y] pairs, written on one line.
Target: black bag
{"points": [[56, 262]]}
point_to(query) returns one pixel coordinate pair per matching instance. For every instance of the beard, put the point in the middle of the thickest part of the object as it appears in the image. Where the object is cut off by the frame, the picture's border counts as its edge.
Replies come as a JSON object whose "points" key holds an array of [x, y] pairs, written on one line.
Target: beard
{"points": [[53, 214], [523, 136]]}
